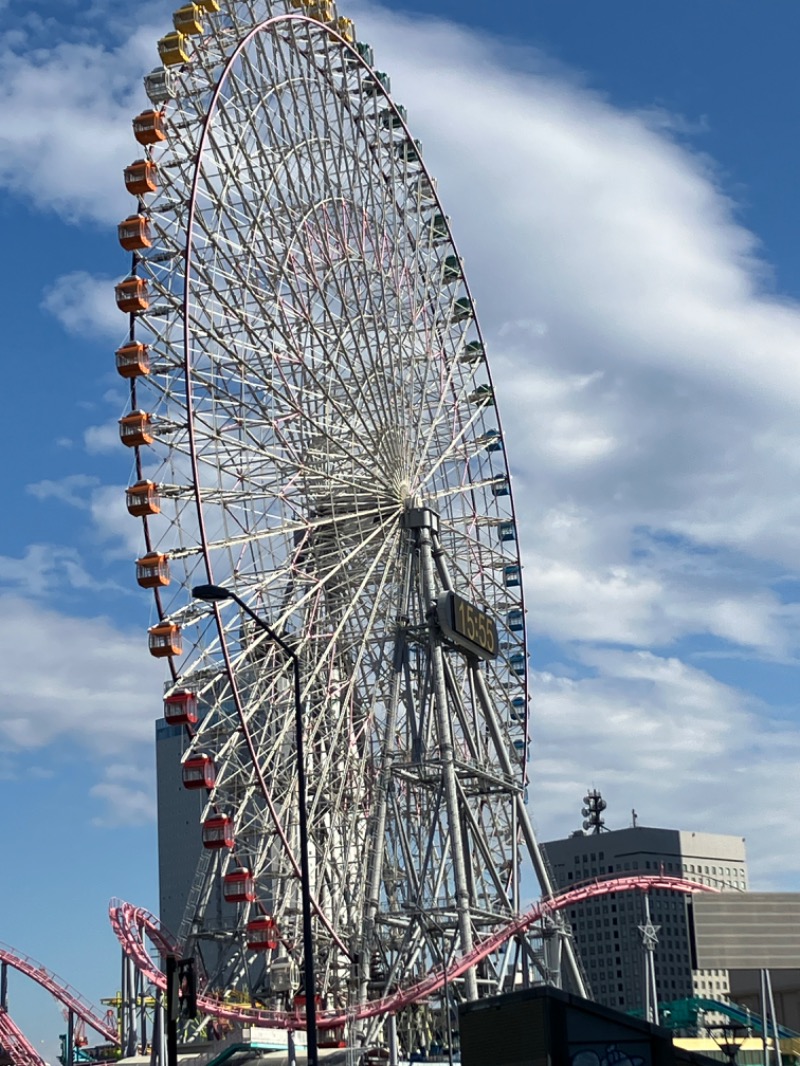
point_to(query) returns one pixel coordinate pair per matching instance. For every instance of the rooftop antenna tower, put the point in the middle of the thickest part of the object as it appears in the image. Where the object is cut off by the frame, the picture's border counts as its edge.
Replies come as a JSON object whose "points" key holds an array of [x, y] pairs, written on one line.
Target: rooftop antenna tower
{"points": [[592, 811]]}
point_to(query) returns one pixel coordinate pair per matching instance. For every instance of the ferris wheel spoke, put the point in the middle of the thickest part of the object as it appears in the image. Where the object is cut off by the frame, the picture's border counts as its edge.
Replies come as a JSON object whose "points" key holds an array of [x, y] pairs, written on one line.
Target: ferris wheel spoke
{"points": [[311, 198]]}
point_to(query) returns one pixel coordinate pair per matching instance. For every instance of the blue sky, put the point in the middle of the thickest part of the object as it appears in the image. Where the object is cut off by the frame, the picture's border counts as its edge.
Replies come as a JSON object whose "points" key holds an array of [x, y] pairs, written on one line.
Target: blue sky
{"points": [[622, 183]]}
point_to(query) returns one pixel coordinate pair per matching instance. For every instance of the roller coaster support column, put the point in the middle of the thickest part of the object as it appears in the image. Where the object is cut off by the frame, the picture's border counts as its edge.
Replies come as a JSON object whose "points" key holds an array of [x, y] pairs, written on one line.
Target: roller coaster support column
{"points": [[4, 986], [70, 1039], [127, 1009]]}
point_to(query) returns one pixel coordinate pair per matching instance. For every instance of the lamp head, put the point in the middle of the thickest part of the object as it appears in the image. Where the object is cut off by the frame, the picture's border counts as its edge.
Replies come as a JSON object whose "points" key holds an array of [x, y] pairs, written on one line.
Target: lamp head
{"points": [[211, 592]]}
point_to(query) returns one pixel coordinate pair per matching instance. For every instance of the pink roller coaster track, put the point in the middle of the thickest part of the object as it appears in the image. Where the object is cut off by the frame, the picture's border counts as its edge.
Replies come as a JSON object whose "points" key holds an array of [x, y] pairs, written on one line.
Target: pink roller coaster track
{"points": [[16, 1044], [14, 1041], [131, 924]]}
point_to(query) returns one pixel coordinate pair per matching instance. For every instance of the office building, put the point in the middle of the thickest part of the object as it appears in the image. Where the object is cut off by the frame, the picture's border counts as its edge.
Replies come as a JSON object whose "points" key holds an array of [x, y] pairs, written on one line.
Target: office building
{"points": [[606, 929]]}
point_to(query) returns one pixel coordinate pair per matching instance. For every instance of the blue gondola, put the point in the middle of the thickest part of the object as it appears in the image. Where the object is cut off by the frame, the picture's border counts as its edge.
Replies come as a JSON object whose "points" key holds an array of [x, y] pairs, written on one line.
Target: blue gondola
{"points": [[393, 120], [439, 229], [492, 440], [511, 575], [462, 309], [474, 352], [451, 269], [518, 709]]}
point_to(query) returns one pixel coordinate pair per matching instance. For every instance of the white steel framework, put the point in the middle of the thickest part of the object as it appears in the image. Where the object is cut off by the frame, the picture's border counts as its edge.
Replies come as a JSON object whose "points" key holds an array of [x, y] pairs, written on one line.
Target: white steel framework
{"points": [[325, 443]]}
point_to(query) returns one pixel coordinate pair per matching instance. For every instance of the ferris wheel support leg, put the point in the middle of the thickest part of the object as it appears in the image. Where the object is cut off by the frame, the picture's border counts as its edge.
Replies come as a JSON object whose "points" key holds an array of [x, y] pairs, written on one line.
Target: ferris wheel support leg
{"points": [[376, 868], [130, 1009], [448, 764], [384, 782], [539, 865], [124, 997], [392, 1034], [553, 948], [141, 996]]}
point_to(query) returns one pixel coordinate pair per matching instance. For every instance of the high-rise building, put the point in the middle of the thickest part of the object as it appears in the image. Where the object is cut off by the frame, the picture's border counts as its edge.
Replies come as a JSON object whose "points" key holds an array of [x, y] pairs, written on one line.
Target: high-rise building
{"points": [[182, 861], [179, 813], [606, 929]]}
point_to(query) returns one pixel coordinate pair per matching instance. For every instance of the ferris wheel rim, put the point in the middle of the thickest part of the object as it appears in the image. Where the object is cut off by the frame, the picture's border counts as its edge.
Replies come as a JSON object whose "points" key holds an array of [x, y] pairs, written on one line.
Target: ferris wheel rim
{"points": [[467, 489]]}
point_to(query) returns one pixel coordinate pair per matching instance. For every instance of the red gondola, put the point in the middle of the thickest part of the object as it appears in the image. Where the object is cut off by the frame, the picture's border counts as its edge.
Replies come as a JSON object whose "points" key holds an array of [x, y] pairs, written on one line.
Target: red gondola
{"points": [[218, 832], [262, 934], [199, 772], [180, 708], [239, 886]]}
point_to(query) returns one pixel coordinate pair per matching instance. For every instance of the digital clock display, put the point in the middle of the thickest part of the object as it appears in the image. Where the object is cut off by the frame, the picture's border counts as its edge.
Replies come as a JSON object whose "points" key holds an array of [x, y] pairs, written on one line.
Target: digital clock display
{"points": [[467, 626]]}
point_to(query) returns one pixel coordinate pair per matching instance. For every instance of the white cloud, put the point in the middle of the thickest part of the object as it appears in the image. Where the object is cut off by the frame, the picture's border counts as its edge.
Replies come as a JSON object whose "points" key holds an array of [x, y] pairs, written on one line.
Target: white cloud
{"points": [[682, 748], [44, 569], [649, 602], [102, 439], [66, 136], [127, 792], [111, 525], [74, 678], [84, 305], [646, 377], [71, 490]]}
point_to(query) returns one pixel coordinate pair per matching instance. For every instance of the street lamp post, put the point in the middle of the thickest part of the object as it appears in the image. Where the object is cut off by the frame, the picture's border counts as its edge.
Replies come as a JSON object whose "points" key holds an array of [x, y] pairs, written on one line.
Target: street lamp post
{"points": [[214, 593]]}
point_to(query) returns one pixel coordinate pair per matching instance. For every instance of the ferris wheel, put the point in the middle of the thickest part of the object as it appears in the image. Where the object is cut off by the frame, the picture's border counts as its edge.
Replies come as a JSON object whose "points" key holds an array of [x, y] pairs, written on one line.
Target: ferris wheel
{"points": [[314, 428]]}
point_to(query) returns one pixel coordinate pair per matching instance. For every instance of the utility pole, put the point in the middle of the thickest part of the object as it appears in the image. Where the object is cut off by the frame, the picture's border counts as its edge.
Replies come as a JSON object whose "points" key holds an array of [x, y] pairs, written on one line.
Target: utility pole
{"points": [[173, 1008]]}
